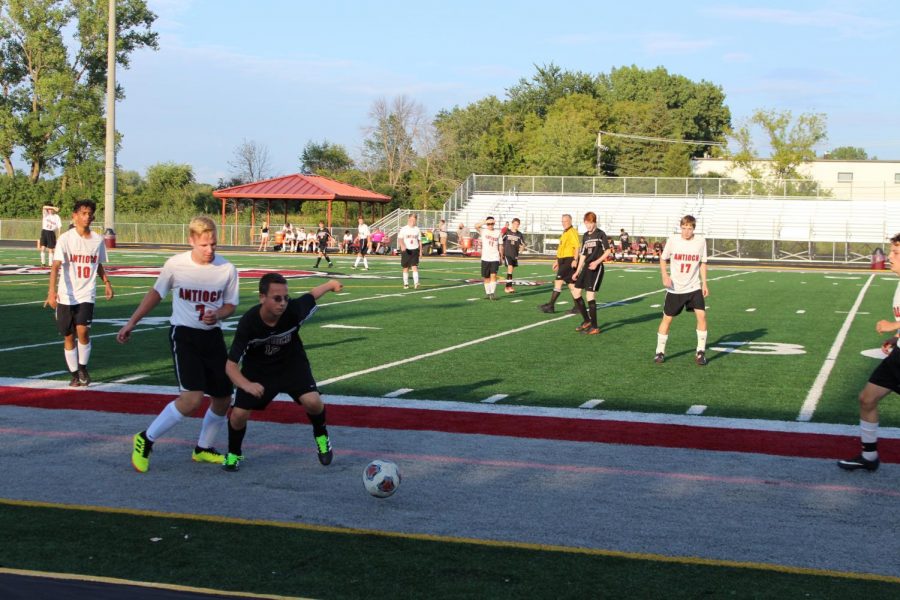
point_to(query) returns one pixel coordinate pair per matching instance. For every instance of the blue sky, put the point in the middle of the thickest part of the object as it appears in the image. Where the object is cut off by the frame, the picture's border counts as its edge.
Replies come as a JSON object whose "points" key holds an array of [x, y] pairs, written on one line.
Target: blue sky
{"points": [[286, 72]]}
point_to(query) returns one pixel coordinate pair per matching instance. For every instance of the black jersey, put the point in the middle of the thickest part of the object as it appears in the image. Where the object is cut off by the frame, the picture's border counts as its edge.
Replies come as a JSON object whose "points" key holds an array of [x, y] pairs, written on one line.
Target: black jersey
{"points": [[593, 245], [512, 243], [322, 235], [266, 349]]}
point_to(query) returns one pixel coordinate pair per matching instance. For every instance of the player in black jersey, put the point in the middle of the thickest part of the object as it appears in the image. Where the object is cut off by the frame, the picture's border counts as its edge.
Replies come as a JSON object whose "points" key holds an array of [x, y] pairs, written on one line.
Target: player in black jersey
{"points": [[513, 242], [595, 249], [642, 249], [267, 344], [322, 238]]}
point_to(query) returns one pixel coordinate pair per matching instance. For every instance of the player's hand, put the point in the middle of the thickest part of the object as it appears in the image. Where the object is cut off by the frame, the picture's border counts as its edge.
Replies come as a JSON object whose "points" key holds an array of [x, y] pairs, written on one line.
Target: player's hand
{"points": [[210, 317], [667, 282], [556, 265], [884, 326], [888, 345], [124, 334], [110, 294], [336, 285], [51, 300], [705, 290], [254, 389]]}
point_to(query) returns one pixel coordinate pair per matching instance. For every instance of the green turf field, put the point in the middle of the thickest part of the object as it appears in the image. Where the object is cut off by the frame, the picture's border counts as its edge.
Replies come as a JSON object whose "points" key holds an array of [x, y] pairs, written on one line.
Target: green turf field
{"points": [[770, 334]]}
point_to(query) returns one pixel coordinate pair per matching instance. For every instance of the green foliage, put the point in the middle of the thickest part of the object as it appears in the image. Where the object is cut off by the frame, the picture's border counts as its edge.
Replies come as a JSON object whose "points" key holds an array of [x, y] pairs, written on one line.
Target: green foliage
{"points": [[847, 153], [791, 142], [325, 157]]}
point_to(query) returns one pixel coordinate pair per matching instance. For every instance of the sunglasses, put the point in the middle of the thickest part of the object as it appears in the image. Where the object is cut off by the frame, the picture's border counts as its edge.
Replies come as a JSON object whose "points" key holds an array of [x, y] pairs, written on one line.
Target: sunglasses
{"points": [[489, 223], [280, 299]]}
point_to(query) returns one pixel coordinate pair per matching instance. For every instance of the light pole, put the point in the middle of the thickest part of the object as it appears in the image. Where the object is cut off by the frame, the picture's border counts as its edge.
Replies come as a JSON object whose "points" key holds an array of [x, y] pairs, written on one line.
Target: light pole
{"points": [[109, 187]]}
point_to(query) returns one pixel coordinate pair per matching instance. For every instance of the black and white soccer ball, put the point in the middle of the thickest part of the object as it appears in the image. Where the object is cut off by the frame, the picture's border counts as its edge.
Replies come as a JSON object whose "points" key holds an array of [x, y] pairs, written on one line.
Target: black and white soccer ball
{"points": [[381, 478]]}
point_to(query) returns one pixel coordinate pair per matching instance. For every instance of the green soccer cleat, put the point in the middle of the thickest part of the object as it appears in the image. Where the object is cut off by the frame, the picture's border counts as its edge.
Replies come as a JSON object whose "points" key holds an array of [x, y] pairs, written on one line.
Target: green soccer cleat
{"points": [[232, 462], [323, 447], [140, 455], [208, 455]]}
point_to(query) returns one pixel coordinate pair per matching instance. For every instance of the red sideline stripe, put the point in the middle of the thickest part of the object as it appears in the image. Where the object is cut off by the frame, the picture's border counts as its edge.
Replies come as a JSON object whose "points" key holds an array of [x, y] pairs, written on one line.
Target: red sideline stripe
{"points": [[809, 445]]}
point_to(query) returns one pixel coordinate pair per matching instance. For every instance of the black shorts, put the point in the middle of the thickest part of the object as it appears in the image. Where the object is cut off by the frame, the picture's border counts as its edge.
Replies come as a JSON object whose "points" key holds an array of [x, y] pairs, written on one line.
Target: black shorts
{"points": [[489, 267], [199, 356], [70, 315], [675, 303], [323, 248], [565, 271], [48, 239], [511, 261], [295, 382], [409, 258], [363, 247], [590, 280]]}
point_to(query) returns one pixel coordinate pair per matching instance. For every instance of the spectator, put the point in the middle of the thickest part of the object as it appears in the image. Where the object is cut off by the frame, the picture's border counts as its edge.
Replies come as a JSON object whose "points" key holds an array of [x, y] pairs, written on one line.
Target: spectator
{"points": [[642, 249], [442, 236], [346, 242]]}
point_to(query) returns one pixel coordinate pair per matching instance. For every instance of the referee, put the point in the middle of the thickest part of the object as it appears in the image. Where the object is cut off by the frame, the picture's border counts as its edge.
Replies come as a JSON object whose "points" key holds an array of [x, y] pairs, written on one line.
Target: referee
{"points": [[564, 265]]}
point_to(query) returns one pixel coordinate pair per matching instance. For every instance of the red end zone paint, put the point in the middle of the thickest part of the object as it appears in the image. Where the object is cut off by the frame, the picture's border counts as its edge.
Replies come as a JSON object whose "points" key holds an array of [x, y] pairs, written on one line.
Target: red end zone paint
{"points": [[807, 445], [126, 271]]}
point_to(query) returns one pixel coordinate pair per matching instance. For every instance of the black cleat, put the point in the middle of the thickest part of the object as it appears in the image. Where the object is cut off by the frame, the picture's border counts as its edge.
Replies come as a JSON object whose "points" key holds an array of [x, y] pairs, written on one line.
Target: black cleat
{"points": [[76, 381], [858, 462], [573, 311], [546, 308], [660, 358], [701, 358], [84, 378]]}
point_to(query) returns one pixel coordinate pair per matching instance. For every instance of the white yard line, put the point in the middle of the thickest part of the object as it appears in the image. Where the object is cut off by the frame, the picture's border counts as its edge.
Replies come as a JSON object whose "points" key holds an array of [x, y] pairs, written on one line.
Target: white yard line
{"points": [[93, 337], [495, 398], [47, 374], [131, 378], [818, 387], [42, 301], [398, 393], [591, 403], [696, 409]]}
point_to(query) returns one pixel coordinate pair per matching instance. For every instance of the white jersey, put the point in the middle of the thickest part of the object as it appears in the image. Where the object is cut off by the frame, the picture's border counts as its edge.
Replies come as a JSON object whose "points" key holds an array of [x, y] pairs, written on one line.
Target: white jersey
{"points": [[897, 303], [197, 288], [410, 236], [363, 232], [490, 245], [51, 222], [80, 258], [686, 257]]}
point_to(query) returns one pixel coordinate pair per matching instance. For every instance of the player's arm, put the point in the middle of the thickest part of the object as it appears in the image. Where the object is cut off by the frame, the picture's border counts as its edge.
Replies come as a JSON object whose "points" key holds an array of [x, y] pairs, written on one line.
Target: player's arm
{"points": [[101, 273], [211, 317], [332, 285], [51, 291], [238, 379], [703, 280], [885, 326], [664, 267], [150, 301], [605, 247]]}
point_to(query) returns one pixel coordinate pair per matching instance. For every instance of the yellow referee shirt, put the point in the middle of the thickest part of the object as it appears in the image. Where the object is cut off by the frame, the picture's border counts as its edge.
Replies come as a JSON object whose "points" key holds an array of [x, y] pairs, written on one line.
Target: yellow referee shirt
{"points": [[568, 243]]}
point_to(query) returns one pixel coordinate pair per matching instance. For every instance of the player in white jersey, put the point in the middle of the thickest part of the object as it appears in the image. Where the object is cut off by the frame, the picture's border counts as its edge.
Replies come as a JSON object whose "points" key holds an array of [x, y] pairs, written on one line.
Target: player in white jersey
{"points": [[686, 286], [362, 239], [409, 242], [204, 290], [883, 380], [491, 255], [50, 226], [77, 262]]}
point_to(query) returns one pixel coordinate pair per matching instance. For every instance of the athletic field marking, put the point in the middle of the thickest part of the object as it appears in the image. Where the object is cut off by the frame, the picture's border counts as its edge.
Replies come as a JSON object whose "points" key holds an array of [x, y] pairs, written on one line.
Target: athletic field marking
{"points": [[418, 357], [846, 312], [697, 409], [515, 301], [563, 302], [397, 393], [92, 337], [818, 387], [750, 310], [131, 378], [342, 294], [47, 374], [473, 299], [42, 301], [655, 305], [428, 297], [336, 326], [642, 556], [494, 399], [801, 311], [591, 403], [836, 277]]}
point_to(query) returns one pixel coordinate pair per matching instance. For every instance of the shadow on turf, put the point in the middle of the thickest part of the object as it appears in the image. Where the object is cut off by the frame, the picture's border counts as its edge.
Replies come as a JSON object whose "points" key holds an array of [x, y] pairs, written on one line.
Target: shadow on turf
{"points": [[334, 343], [739, 336], [632, 321]]}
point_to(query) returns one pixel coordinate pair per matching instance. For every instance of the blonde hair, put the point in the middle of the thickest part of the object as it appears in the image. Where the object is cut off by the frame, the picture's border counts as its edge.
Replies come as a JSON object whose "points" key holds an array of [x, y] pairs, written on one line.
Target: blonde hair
{"points": [[200, 225]]}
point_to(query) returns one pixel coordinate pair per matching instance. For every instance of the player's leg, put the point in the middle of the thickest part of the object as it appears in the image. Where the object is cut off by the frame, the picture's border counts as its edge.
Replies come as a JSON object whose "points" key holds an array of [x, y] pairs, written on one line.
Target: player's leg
{"points": [[84, 316], [65, 324], [415, 272], [315, 411], [579, 304], [405, 276], [550, 307], [237, 428], [662, 336], [701, 336], [509, 276], [219, 388], [884, 379], [594, 280]]}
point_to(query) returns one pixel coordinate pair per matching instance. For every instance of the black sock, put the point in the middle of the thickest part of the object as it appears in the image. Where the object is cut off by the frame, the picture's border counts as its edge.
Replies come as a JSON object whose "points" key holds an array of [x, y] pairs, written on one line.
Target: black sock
{"points": [[235, 439], [592, 311], [318, 423], [318, 260], [579, 302], [870, 447], [553, 297], [509, 280]]}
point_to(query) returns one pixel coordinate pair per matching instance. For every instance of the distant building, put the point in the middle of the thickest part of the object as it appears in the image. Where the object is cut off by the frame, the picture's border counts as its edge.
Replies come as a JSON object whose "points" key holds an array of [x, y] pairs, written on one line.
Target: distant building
{"points": [[844, 179]]}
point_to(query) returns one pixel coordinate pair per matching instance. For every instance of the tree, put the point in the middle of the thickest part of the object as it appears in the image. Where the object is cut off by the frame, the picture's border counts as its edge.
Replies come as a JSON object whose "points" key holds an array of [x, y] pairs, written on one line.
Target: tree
{"points": [[563, 143], [791, 141], [847, 153], [325, 157], [390, 137], [53, 91], [250, 161]]}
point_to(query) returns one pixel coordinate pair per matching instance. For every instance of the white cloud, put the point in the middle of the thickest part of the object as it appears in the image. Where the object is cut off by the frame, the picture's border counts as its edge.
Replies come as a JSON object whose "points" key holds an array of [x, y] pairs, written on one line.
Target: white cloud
{"points": [[844, 23]]}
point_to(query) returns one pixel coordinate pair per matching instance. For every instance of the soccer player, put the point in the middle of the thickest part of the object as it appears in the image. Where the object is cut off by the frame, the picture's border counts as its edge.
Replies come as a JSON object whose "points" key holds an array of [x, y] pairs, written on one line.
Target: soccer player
{"points": [[263, 238], [564, 265], [322, 238], [588, 276], [442, 236], [204, 290], [409, 241], [513, 243], [80, 255], [267, 345], [362, 238], [50, 226], [642, 249], [686, 287], [883, 380], [491, 256]]}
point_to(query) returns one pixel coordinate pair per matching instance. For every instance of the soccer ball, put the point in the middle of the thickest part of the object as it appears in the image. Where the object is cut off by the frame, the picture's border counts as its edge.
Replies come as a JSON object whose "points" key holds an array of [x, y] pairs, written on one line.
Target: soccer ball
{"points": [[381, 478]]}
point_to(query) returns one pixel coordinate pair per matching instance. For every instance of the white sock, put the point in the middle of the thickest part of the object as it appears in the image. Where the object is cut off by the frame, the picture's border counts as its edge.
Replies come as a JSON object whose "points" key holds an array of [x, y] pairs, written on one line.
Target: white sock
{"points": [[661, 340], [868, 435], [212, 426], [71, 359], [405, 277], [84, 353], [487, 287], [365, 262], [493, 285], [356, 264], [42, 256], [415, 278], [167, 419], [701, 341]]}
